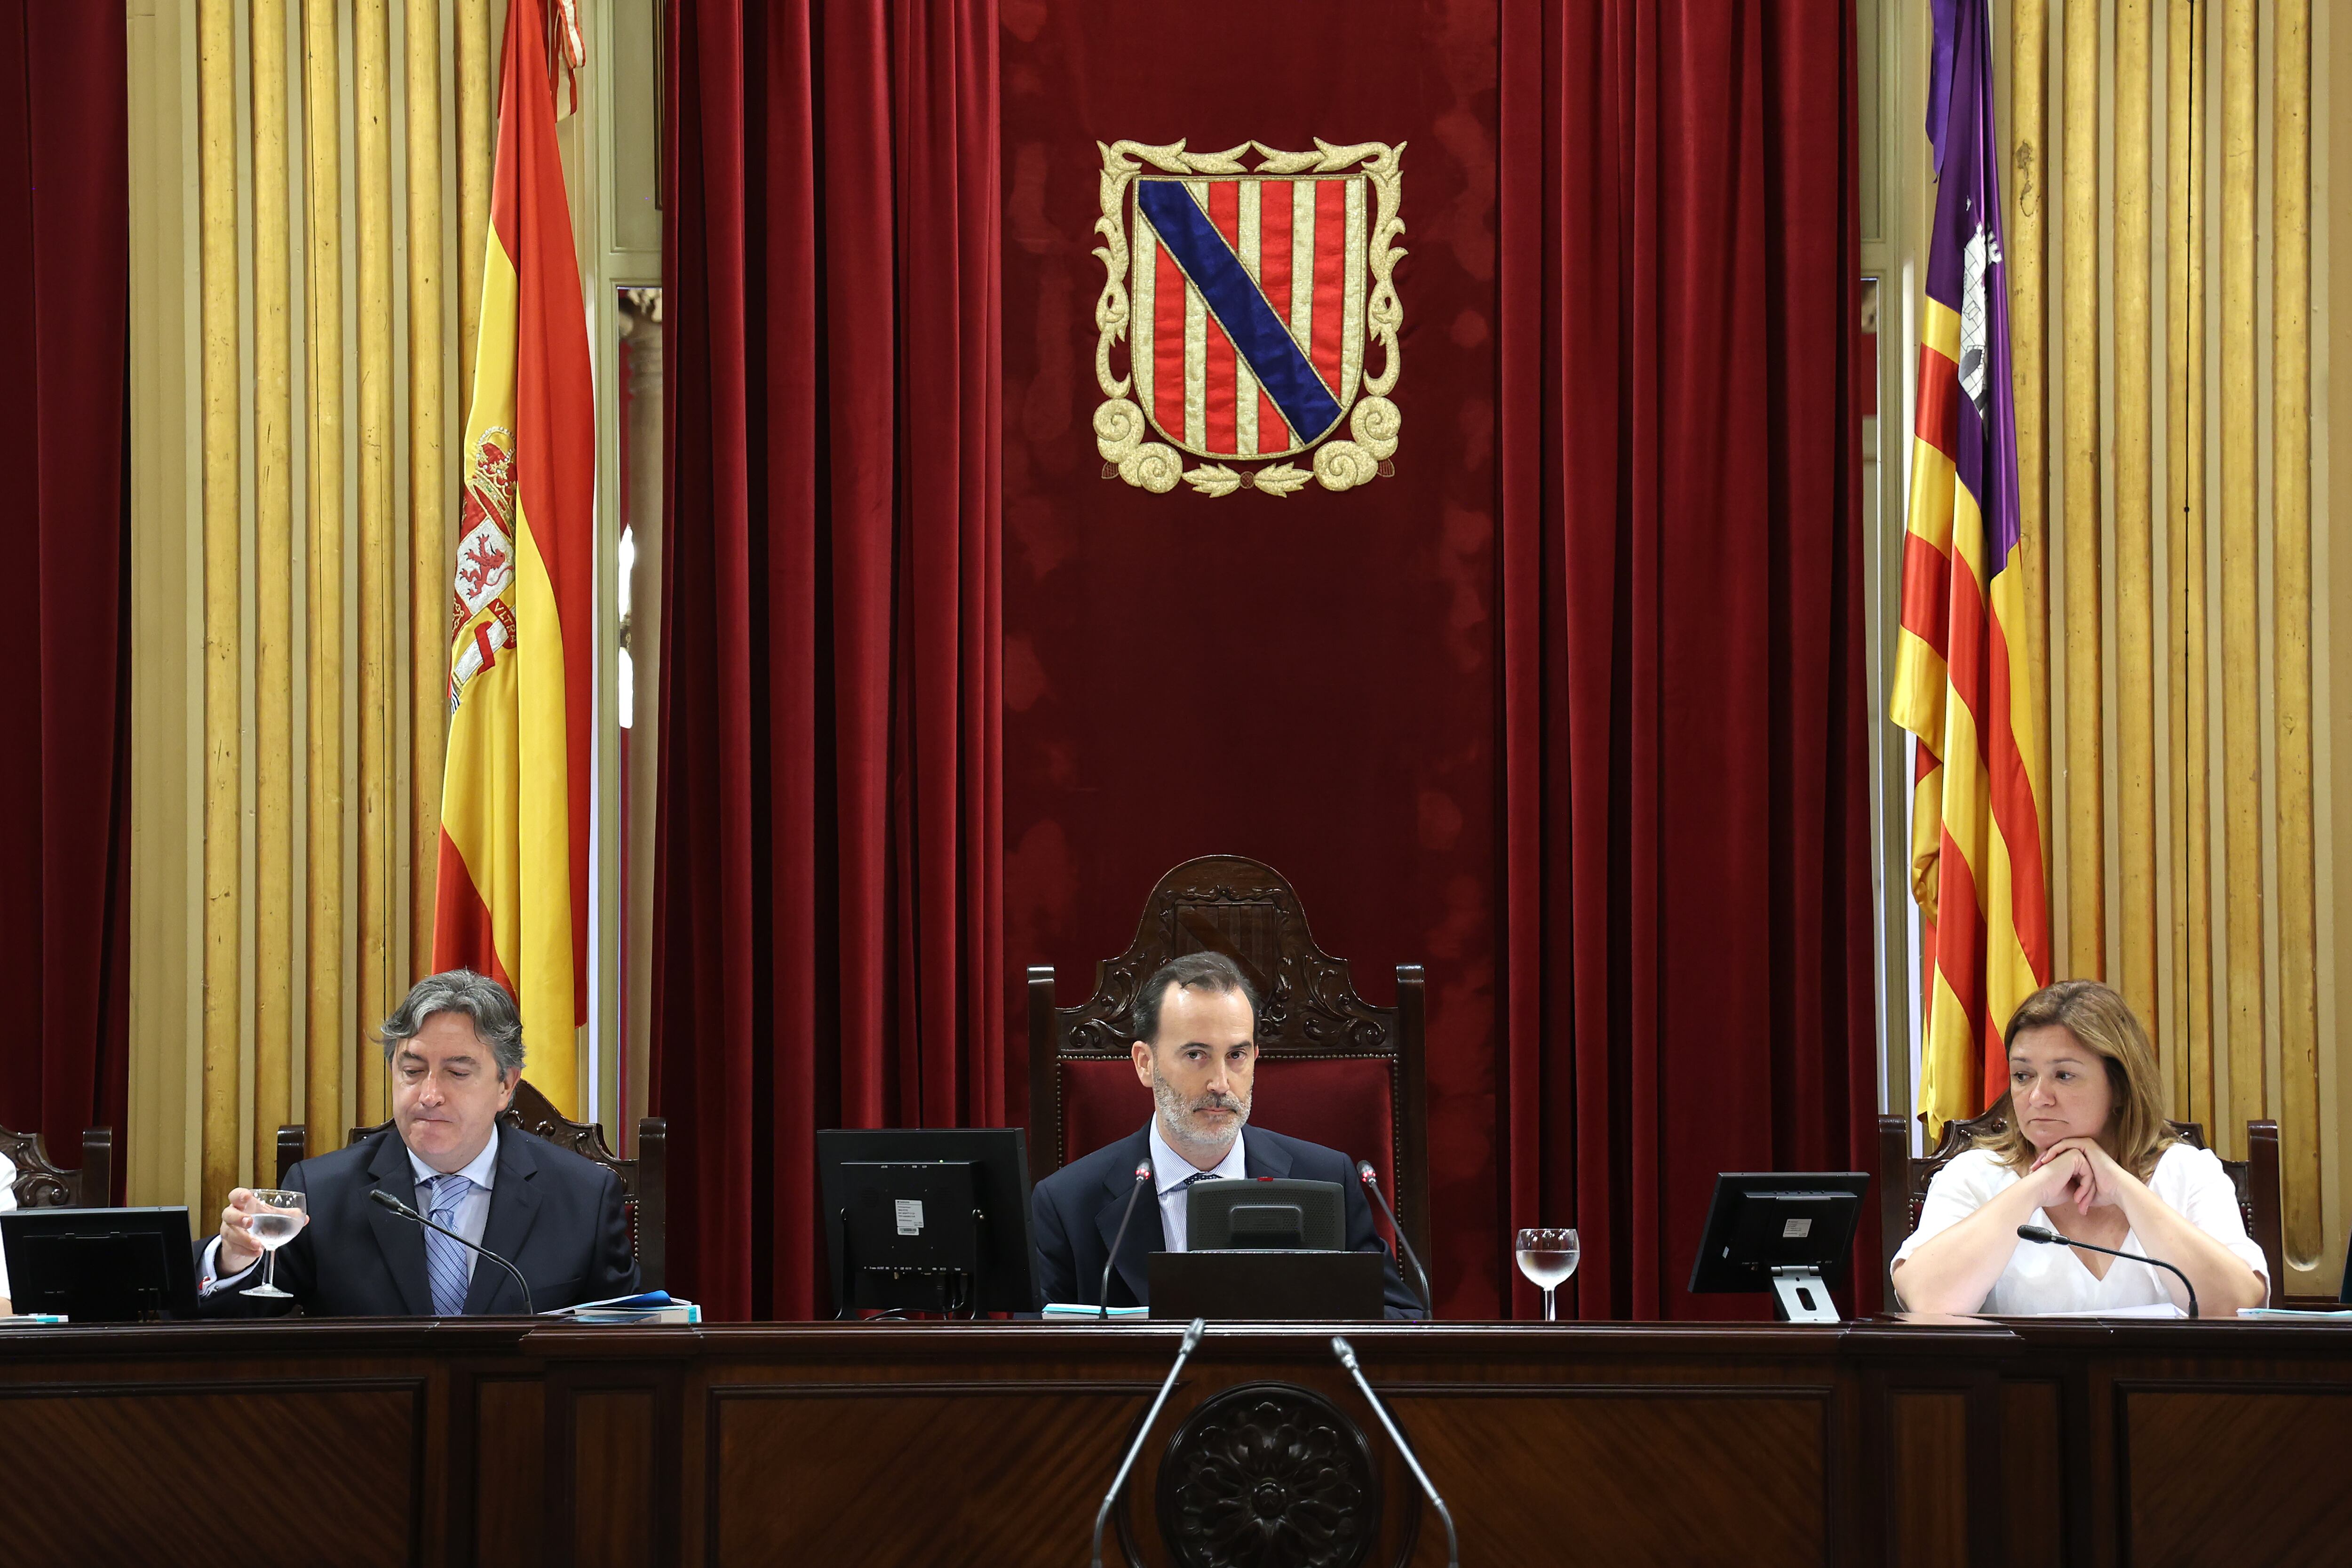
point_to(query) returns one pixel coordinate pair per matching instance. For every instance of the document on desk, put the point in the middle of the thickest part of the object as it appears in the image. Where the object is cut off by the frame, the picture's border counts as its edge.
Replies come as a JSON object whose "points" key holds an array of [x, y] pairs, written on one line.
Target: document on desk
{"points": [[647, 1307], [2299, 1315], [2153, 1310]]}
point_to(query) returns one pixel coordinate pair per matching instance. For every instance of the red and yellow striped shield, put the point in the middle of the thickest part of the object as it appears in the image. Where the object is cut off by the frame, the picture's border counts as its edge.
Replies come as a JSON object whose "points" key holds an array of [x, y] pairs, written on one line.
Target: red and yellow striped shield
{"points": [[512, 898]]}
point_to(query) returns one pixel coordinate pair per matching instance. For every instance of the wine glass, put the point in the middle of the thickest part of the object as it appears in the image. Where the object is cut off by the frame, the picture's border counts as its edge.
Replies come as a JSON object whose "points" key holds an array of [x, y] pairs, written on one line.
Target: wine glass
{"points": [[1547, 1257], [283, 1213]]}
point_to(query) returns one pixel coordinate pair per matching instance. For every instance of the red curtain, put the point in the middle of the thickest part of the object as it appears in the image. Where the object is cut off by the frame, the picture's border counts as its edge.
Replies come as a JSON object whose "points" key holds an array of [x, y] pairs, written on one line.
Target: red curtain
{"points": [[828, 887], [1687, 925], [64, 597]]}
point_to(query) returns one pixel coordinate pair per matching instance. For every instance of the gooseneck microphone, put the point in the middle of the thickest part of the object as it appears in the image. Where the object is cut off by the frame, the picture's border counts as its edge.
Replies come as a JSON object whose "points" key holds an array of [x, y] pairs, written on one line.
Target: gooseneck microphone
{"points": [[1371, 1178], [1102, 1296], [1347, 1354], [377, 1195], [1183, 1353], [2052, 1239]]}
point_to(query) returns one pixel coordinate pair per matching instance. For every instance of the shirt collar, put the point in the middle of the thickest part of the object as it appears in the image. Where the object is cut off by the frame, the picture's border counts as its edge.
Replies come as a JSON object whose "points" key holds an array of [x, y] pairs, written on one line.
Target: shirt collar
{"points": [[481, 1170], [1170, 1170]]}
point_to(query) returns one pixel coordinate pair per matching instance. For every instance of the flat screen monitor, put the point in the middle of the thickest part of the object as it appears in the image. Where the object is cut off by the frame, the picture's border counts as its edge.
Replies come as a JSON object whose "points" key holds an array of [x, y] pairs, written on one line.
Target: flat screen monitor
{"points": [[1266, 1212], [100, 1266], [933, 1220], [1785, 1232]]}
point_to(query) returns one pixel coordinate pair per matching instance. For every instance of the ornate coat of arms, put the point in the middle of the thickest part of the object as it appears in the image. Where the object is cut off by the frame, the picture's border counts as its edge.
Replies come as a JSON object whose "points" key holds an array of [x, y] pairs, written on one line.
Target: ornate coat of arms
{"points": [[1254, 304]]}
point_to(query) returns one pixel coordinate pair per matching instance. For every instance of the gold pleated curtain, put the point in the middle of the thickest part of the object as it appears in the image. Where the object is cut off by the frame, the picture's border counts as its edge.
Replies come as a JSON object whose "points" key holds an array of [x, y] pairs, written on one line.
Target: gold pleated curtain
{"points": [[344, 172], [2159, 200]]}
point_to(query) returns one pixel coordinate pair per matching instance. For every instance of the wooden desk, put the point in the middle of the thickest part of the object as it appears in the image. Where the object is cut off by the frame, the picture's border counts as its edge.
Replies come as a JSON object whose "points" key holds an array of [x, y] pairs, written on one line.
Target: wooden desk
{"points": [[493, 1441]]}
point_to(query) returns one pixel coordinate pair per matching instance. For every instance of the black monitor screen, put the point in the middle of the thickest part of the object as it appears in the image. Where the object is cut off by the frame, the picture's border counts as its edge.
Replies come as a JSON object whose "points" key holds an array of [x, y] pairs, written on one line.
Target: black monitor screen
{"points": [[929, 1218], [1763, 1221], [100, 1266]]}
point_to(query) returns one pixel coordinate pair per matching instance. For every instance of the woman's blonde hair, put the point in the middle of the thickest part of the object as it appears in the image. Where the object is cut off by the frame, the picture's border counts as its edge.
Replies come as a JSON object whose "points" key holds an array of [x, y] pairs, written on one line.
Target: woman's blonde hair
{"points": [[2136, 1134]]}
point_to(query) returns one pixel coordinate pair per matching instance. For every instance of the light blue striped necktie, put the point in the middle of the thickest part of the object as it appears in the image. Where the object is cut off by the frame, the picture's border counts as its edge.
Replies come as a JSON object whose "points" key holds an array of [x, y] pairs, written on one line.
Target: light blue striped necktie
{"points": [[445, 1261]]}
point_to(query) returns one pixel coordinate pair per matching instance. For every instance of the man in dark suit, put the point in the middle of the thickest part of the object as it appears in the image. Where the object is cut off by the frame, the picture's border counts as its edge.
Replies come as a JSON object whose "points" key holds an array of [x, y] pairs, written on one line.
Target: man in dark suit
{"points": [[1195, 1027], [455, 1048]]}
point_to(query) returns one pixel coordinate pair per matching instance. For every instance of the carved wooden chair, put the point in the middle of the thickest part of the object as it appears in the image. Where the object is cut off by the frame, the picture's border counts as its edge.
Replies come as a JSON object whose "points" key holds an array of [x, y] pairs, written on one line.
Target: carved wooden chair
{"points": [[643, 1179], [42, 1184], [1332, 1067], [2256, 1179]]}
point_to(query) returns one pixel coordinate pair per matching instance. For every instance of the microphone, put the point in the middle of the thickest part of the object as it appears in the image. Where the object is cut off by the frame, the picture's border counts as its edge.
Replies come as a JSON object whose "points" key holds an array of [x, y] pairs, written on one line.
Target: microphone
{"points": [[2052, 1239], [1366, 1174], [377, 1195], [1102, 1296], [1347, 1354], [1183, 1352]]}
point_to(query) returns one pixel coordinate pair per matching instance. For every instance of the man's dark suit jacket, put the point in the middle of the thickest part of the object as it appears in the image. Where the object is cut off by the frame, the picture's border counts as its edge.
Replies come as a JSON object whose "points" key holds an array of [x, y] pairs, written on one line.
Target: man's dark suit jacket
{"points": [[554, 1215], [1075, 1212]]}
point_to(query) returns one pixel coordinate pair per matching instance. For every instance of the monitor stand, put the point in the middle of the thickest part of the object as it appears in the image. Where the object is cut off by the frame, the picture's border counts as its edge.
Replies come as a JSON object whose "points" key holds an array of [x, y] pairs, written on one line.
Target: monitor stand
{"points": [[1800, 1297]]}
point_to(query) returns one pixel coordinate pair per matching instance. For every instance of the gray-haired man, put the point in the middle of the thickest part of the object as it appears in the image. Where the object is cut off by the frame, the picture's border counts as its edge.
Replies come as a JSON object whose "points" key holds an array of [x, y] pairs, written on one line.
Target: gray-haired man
{"points": [[454, 1048]]}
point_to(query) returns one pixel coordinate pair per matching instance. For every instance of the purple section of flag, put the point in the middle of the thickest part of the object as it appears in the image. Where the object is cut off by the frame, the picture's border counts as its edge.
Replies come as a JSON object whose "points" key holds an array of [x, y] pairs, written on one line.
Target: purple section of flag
{"points": [[1939, 76], [1968, 199]]}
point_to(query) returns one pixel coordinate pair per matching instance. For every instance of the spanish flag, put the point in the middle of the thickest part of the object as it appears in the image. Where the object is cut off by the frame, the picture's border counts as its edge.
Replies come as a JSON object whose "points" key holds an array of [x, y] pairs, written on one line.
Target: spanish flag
{"points": [[512, 896], [1963, 681]]}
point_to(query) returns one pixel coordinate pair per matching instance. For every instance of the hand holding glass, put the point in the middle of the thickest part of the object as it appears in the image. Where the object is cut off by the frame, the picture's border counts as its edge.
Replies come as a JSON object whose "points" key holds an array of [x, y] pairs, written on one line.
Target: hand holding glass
{"points": [[1547, 1257], [283, 1213]]}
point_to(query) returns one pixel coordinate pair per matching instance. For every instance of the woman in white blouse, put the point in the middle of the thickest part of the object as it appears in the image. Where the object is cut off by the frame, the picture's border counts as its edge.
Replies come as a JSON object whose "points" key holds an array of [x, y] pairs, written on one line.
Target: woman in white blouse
{"points": [[2084, 1151], [7, 1201]]}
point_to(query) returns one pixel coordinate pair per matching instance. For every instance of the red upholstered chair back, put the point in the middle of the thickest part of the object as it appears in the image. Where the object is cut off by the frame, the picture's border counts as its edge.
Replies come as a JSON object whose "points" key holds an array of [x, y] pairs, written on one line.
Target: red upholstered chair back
{"points": [[1332, 1068]]}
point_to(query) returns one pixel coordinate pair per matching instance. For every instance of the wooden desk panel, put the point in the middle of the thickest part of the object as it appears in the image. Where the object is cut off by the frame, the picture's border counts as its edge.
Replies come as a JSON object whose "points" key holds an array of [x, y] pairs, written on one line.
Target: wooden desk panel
{"points": [[1667, 1476], [500, 1442], [142, 1471], [2234, 1474]]}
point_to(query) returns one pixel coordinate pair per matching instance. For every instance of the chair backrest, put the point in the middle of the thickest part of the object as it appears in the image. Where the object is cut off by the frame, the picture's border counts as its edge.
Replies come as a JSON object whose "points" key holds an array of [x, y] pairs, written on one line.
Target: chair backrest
{"points": [[645, 1179], [1332, 1067], [2255, 1178], [42, 1184]]}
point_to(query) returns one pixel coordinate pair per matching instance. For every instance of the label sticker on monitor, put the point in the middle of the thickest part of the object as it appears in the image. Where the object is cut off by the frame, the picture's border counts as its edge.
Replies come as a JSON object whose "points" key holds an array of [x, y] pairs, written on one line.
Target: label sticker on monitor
{"points": [[910, 1216], [1791, 1231]]}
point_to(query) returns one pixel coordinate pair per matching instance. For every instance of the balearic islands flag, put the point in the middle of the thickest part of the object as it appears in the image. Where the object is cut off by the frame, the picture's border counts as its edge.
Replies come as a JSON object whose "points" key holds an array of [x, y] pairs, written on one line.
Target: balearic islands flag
{"points": [[512, 898], [1963, 682]]}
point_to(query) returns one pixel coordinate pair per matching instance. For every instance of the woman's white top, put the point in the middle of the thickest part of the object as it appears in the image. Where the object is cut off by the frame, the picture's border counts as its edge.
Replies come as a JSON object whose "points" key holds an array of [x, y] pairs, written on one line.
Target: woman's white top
{"points": [[2045, 1278], [7, 1201]]}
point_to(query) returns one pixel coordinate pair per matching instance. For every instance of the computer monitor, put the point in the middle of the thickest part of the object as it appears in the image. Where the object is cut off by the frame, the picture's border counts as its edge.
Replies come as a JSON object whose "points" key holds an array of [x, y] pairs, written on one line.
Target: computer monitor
{"points": [[1266, 1212], [100, 1266], [934, 1219], [1787, 1232]]}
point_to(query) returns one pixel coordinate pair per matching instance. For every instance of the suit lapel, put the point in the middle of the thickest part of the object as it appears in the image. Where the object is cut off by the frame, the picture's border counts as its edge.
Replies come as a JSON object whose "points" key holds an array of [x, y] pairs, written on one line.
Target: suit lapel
{"points": [[1261, 1156], [401, 1241], [1133, 1263], [514, 1204]]}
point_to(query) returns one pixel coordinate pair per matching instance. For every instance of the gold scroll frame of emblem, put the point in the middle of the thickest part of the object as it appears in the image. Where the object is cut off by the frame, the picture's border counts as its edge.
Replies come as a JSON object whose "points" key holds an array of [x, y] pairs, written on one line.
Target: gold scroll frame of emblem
{"points": [[1339, 463]]}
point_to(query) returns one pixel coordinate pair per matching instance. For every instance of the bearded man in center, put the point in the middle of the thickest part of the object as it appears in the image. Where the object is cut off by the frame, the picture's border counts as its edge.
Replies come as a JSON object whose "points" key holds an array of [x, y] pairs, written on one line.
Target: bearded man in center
{"points": [[1195, 1033]]}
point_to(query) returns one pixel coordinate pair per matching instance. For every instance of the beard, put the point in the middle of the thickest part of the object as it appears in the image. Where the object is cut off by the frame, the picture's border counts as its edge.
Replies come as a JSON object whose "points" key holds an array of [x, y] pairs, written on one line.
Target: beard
{"points": [[1180, 1124]]}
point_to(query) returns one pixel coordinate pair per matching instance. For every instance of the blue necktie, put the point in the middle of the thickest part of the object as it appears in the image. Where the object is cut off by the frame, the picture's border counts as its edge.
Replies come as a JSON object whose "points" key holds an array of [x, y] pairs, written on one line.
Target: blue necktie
{"points": [[445, 1261]]}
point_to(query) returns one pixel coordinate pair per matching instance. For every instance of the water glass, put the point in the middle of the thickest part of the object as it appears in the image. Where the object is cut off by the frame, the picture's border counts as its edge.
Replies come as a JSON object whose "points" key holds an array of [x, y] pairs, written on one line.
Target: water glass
{"points": [[283, 1216], [1547, 1257]]}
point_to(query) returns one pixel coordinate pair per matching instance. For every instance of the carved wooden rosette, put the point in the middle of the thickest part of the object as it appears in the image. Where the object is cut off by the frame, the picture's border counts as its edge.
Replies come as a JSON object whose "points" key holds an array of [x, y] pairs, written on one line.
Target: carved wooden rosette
{"points": [[1273, 1475]]}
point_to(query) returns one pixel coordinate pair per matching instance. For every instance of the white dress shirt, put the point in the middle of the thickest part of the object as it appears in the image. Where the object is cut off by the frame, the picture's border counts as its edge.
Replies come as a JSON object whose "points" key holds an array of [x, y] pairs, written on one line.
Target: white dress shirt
{"points": [[1171, 1172], [473, 1211], [2047, 1278]]}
